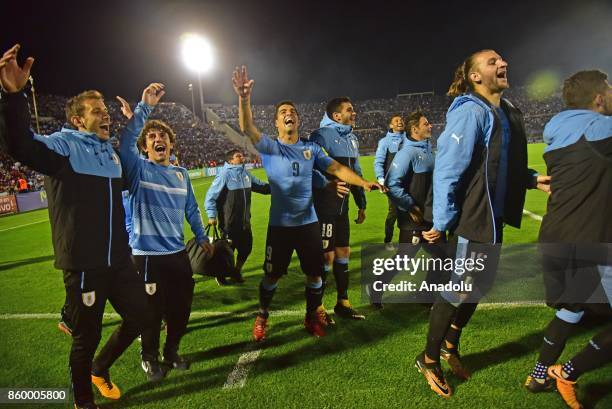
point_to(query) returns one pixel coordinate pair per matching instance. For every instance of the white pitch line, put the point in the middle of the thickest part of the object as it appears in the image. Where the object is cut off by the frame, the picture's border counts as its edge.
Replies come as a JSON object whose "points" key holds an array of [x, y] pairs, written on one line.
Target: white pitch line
{"points": [[532, 215], [23, 225], [237, 378]]}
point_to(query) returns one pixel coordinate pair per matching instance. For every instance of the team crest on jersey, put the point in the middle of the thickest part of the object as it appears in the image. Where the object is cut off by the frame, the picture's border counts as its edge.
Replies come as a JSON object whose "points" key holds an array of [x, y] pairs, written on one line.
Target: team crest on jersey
{"points": [[307, 154], [150, 288], [115, 158], [325, 243], [180, 176], [89, 298]]}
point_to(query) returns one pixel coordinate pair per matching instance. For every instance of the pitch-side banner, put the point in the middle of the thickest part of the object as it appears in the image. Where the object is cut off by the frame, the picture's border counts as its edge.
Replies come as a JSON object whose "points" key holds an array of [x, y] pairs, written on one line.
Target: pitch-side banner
{"points": [[32, 201], [8, 204], [557, 274]]}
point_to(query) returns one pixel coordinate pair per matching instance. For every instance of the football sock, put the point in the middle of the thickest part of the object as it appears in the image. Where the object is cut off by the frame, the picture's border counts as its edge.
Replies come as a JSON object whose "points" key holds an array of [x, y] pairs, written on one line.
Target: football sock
{"points": [[314, 295], [598, 352], [266, 292], [440, 318], [341, 274]]}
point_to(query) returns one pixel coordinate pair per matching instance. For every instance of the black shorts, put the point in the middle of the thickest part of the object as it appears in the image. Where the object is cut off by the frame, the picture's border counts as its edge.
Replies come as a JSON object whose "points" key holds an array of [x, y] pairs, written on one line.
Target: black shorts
{"points": [[242, 242], [335, 231], [305, 240]]}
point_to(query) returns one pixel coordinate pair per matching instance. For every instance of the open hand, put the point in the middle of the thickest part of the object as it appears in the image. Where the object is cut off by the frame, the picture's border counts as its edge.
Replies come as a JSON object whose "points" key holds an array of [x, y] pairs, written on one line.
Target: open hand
{"points": [[13, 77], [153, 93], [125, 108], [243, 86]]}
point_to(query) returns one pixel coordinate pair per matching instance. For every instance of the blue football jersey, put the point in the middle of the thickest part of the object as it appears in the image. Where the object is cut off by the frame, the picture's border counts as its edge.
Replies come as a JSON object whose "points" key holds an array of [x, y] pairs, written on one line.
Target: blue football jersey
{"points": [[289, 168]]}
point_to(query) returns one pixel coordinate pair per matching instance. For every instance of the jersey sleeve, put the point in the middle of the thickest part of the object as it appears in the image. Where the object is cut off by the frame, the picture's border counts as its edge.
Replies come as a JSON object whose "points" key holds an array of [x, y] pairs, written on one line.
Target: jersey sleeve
{"points": [[265, 144], [322, 160]]}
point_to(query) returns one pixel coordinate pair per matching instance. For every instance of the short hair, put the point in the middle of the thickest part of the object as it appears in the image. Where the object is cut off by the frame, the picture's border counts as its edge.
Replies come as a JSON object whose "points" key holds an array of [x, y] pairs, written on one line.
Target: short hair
{"points": [[75, 107], [414, 118], [229, 155], [334, 105], [283, 102], [393, 116], [158, 125], [581, 88]]}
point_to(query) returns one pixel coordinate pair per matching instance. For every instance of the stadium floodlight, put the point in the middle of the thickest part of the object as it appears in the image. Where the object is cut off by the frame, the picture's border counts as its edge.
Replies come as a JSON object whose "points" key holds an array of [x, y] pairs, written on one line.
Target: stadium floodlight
{"points": [[198, 56], [197, 53]]}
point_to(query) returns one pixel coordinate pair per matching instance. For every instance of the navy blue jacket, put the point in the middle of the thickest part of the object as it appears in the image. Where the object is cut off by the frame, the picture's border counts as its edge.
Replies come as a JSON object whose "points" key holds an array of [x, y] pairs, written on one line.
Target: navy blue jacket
{"points": [[388, 146], [84, 186], [229, 197], [409, 181], [341, 144]]}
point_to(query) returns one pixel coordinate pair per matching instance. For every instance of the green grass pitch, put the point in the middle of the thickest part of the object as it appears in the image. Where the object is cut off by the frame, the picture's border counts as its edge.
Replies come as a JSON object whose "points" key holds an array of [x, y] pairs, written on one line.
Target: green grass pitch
{"points": [[366, 364]]}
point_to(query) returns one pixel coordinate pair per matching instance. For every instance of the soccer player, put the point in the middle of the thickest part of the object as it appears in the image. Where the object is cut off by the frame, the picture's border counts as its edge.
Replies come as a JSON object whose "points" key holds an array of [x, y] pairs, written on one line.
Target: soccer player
{"points": [[228, 201], [577, 223], [90, 243], [336, 136], [293, 225], [479, 184], [388, 146], [409, 180], [160, 198]]}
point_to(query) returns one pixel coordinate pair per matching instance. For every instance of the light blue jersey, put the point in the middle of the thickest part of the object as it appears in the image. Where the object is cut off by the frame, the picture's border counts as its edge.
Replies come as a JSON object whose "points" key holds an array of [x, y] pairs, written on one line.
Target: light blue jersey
{"points": [[289, 168], [161, 197]]}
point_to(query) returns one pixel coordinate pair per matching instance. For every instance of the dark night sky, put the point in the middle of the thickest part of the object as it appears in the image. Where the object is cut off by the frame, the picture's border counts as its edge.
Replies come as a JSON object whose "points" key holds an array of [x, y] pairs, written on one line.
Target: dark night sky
{"points": [[303, 50]]}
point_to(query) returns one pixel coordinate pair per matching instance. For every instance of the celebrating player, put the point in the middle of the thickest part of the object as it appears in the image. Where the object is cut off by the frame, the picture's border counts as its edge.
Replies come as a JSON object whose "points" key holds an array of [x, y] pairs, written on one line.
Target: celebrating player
{"points": [[388, 146], [577, 225], [83, 187], [479, 184], [293, 225]]}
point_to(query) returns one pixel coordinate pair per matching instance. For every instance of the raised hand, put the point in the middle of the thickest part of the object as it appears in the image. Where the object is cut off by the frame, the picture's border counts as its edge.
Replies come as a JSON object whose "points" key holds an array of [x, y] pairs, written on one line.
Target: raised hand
{"points": [[125, 108], [12, 77], [153, 93], [243, 86]]}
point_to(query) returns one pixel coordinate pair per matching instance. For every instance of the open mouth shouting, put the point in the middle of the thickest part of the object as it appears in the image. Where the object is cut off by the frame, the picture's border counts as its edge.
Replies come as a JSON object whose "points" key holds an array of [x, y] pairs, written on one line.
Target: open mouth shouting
{"points": [[160, 148]]}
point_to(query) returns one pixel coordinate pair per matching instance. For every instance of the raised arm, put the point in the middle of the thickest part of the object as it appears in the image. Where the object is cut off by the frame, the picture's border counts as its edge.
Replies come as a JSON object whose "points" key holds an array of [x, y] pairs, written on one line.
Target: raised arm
{"points": [[39, 153], [243, 88], [128, 151]]}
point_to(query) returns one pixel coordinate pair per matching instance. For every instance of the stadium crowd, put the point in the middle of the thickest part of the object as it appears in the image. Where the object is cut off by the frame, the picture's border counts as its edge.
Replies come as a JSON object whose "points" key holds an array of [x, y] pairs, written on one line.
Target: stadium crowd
{"points": [[199, 145]]}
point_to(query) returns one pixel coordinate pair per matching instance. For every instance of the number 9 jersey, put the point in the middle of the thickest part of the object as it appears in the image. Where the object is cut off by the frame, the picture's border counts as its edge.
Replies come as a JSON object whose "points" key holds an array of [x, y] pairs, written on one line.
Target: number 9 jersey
{"points": [[289, 169]]}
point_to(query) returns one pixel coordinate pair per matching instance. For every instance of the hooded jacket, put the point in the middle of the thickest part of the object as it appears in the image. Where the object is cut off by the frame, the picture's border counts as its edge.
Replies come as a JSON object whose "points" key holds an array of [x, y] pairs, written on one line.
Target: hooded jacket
{"points": [[388, 146], [341, 145], [83, 185], [229, 197], [409, 182], [579, 160], [465, 173]]}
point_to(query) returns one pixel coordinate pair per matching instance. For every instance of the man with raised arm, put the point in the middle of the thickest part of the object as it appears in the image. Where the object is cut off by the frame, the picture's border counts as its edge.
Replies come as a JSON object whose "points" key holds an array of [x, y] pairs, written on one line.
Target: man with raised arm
{"points": [[293, 224], [83, 184]]}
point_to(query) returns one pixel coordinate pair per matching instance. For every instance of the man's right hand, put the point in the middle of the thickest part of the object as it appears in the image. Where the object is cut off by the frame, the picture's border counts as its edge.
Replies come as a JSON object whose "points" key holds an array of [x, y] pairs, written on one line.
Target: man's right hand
{"points": [[243, 86], [212, 222], [12, 77]]}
